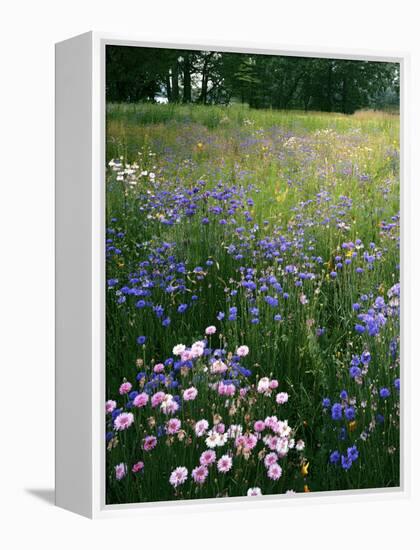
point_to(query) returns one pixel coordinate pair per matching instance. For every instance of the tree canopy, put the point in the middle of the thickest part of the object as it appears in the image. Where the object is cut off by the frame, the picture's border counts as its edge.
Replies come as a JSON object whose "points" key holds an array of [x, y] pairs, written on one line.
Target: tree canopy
{"points": [[135, 74]]}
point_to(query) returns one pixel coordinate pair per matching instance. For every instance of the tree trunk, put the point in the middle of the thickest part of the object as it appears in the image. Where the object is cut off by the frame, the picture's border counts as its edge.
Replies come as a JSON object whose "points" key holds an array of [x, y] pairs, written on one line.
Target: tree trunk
{"points": [[329, 88], [168, 87], [187, 79], [175, 84]]}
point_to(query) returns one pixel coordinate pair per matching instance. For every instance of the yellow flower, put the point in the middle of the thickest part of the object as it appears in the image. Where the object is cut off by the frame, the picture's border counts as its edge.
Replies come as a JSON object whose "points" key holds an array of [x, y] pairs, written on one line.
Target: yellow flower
{"points": [[304, 469], [306, 489], [352, 425], [199, 145]]}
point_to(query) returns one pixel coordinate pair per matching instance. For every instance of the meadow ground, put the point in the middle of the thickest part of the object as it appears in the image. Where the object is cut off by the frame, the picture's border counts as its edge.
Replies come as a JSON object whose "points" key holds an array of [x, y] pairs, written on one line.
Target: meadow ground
{"points": [[252, 339]]}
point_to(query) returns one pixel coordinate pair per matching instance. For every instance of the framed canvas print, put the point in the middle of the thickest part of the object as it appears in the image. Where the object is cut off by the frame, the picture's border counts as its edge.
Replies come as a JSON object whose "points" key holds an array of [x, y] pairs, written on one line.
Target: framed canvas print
{"points": [[228, 274]]}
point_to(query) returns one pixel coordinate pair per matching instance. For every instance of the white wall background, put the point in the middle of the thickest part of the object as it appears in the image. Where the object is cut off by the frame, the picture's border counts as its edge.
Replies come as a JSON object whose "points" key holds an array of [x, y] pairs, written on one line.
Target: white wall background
{"points": [[28, 32]]}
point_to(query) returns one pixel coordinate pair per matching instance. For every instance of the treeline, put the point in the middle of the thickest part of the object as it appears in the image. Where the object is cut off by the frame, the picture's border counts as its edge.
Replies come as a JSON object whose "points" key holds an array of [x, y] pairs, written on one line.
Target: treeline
{"points": [[262, 81]]}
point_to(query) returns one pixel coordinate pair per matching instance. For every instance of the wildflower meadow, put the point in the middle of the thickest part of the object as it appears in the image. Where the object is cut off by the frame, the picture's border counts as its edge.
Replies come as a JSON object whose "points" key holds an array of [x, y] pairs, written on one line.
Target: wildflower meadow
{"points": [[252, 301]]}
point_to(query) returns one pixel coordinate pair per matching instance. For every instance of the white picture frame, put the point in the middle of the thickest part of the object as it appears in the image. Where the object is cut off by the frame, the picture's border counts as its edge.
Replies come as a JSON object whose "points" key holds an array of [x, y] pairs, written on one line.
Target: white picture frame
{"points": [[80, 275]]}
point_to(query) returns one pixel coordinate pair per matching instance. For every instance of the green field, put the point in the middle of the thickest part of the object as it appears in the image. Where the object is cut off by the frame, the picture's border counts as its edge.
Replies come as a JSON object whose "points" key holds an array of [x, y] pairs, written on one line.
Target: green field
{"points": [[281, 230]]}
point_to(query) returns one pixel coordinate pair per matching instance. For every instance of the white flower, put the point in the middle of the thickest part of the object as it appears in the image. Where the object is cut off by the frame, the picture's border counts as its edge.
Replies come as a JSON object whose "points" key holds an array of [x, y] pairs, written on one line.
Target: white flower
{"points": [[254, 492], [178, 476], [300, 445], [218, 367], [178, 349], [263, 385]]}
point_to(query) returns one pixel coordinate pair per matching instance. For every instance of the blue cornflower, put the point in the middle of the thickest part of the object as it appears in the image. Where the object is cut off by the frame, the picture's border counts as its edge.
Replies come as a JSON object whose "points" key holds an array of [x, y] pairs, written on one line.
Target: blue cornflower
{"points": [[220, 316], [109, 436], [355, 372], [336, 411], [115, 413], [141, 340], [344, 395], [326, 402], [380, 419], [346, 462], [277, 317], [350, 413], [140, 304], [365, 357], [334, 457], [182, 308], [132, 395], [384, 393], [353, 453], [166, 322], [359, 328], [397, 384]]}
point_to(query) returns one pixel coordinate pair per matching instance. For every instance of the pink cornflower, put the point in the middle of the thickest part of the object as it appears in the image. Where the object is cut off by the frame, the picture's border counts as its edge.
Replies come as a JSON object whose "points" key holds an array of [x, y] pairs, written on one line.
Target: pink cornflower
{"points": [[201, 427], [173, 426], [199, 474], [242, 351], [125, 388], [226, 389], [137, 467], [243, 392], [224, 464], [207, 458], [141, 400], [187, 355], [272, 423], [123, 421], [158, 368], [157, 398], [282, 398], [149, 442], [273, 384], [120, 471], [110, 406], [272, 442], [251, 441], [178, 476], [220, 428], [190, 394], [210, 330], [270, 459], [259, 426], [274, 472]]}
